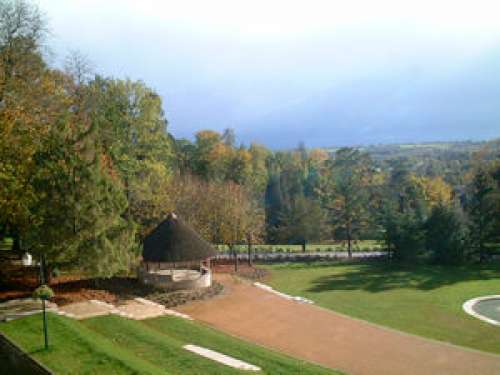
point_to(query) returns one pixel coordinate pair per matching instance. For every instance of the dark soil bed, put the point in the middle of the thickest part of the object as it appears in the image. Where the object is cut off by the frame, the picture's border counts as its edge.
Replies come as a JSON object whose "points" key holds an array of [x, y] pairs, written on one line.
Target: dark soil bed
{"points": [[70, 288], [75, 288]]}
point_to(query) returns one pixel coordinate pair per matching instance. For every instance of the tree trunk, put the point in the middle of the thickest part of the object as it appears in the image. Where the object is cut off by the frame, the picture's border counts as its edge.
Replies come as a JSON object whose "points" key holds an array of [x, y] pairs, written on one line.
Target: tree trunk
{"points": [[235, 254], [250, 260], [349, 241], [16, 245], [304, 246], [48, 274]]}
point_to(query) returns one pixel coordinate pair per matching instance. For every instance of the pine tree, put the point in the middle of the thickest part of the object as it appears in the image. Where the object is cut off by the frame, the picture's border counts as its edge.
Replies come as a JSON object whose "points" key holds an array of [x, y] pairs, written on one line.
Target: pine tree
{"points": [[482, 212], [446, 235], [347, 193]]}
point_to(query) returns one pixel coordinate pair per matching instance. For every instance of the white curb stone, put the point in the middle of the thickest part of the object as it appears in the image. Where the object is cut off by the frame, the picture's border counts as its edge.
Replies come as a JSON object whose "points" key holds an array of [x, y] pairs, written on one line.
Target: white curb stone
{"points": [[221, 358], [286, 296], [467, 306]]}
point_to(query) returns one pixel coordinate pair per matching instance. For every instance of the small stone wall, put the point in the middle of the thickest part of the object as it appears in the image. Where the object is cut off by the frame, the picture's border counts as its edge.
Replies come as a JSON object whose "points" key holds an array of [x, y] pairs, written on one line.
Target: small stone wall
{"points": [[13, 360], [166, 282]]}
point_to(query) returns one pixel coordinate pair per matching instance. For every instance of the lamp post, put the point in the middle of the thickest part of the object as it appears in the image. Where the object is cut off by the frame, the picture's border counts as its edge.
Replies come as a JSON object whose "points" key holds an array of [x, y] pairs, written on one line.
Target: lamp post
{"points": [[44, 293]]}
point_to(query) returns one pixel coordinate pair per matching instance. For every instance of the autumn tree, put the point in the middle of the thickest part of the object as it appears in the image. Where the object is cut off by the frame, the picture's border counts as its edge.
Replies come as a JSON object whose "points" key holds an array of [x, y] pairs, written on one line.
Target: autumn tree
{"points": [[132, 131], [434, 189], [26, 109]]}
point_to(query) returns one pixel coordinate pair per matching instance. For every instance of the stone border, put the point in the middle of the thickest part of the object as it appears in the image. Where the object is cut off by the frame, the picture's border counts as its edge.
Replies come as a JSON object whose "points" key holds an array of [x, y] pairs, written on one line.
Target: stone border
{"points": [[221, 358], [286, 296], [467, 306], [112, 309], [166, 311]]}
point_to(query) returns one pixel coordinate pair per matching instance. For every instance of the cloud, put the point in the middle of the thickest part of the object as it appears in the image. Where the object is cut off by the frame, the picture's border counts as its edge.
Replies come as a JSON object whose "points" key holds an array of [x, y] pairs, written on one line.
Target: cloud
{"points": [[229, 63]]}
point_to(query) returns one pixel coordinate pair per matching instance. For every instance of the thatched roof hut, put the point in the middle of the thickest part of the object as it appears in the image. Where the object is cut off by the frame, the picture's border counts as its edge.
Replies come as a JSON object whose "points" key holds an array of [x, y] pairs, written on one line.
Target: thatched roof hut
{"points": [[175, 241]]}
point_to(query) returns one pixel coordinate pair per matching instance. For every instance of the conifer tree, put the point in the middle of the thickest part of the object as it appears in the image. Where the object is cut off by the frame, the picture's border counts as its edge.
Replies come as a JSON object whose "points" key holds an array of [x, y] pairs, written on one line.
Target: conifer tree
{"points": [[482, 210]]}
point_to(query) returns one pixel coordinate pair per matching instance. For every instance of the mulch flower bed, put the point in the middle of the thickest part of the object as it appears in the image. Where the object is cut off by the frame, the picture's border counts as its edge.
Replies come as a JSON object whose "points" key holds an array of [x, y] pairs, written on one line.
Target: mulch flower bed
{"points": [[76, 288]]}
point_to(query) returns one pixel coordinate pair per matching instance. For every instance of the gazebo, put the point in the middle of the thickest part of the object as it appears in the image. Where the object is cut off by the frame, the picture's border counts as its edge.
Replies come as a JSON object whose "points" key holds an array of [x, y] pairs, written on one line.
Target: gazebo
{"points": [[175, 257]]}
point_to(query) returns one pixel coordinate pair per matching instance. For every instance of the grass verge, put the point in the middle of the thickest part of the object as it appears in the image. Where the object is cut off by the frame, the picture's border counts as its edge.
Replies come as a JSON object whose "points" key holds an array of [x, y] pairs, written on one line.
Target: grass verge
{"points": [[114, 345]]}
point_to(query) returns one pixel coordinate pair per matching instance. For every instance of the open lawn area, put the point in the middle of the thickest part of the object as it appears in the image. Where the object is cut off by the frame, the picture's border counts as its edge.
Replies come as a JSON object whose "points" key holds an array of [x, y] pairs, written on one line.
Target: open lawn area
{"points": [[419, 299], [115, 345]]}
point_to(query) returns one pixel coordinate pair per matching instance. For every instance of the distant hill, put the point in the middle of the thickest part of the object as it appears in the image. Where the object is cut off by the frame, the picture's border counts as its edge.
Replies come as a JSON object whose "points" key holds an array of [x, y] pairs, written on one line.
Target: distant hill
{"points": [[462, 149]]}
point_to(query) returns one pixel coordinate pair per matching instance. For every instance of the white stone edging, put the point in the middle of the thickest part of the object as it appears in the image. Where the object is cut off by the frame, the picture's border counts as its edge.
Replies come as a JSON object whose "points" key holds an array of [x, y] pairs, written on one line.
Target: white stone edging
{"points": [[165, 310], [467, 306], [221, 358], [286, 296]]}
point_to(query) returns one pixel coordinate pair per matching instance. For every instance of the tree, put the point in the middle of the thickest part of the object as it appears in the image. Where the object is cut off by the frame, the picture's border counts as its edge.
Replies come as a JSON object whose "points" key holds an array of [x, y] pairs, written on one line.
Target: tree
{"points": [[222, 212], [482, 210], [446, 235], [28, 99], [347, 190], [132, 131], [301, 223], [435, 190], [402, 214], [257, 179]]}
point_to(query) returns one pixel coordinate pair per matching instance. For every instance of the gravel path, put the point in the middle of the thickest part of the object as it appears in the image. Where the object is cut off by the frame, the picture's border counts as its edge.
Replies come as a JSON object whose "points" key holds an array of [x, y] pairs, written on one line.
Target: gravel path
{"points": [[331, 339]]}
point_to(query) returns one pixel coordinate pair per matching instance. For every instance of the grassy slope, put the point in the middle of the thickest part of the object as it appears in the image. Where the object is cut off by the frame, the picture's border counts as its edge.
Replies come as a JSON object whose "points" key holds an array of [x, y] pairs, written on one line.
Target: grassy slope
{"points": [[423, 300], [114, 345]]}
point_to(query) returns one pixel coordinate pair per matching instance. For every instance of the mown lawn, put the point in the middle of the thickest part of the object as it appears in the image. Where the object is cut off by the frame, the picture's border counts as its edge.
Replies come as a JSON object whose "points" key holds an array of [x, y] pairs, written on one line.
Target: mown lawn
{"points": [[115, 345], [423, 300]]}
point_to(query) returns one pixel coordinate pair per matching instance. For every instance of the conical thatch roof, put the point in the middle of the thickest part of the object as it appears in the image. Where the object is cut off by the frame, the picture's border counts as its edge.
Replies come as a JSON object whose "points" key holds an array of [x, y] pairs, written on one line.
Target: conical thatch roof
{"points": [[175, 241]]}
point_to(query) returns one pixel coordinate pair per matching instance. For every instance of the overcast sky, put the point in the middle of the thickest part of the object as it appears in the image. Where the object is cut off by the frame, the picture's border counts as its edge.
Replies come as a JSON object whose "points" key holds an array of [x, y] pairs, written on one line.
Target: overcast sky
{"points": [[257, 65]]}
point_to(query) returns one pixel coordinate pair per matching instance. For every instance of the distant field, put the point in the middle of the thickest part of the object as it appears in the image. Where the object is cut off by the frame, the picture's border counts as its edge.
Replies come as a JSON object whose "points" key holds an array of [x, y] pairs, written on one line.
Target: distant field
{"points": [[423, 300], [115, 345], [363, 245]]}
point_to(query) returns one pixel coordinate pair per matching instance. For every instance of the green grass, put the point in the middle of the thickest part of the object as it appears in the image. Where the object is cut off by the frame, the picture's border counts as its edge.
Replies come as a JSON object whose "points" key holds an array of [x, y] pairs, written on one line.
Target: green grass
{"points": [[423, 300], [6, 243], [362, 245], [115, 345]]}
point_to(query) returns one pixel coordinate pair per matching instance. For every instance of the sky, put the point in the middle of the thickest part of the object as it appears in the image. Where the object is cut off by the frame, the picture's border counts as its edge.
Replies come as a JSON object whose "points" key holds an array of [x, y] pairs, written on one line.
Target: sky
{"points": [[327, 73]]}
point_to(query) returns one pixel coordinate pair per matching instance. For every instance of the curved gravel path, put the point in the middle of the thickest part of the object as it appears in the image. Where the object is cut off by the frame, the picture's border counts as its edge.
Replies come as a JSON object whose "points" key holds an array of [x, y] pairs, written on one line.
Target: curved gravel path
{"points": [[331, 339]]}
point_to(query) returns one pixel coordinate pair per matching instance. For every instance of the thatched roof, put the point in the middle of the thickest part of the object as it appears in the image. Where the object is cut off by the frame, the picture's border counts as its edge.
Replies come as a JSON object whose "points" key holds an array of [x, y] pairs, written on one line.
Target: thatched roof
{"points": [[175, 241]]}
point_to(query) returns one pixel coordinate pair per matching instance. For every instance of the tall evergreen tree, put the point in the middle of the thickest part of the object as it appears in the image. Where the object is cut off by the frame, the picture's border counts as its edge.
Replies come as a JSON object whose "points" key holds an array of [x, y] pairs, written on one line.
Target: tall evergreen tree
{"points": [[403, 212], [446, 235], [347, 191], [482, 210]]}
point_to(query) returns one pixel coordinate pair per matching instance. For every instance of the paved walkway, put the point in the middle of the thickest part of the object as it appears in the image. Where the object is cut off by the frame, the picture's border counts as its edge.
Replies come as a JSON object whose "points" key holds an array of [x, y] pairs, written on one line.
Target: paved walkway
{"points": [[18, 308], [137, 309], [333, 340]]}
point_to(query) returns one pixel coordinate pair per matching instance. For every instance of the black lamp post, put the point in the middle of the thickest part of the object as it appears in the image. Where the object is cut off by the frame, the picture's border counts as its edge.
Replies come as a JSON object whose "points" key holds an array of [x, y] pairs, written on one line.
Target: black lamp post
{"points": [[44, 293]]}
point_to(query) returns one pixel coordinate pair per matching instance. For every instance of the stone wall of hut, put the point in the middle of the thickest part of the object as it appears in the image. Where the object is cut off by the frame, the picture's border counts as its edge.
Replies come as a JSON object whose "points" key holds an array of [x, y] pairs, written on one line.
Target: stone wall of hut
{"points": [[166, 282]]}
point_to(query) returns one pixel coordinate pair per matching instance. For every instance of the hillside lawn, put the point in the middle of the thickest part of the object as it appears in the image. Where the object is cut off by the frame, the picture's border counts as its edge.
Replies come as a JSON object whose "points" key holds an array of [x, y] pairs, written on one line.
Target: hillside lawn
{"points": [[115, 345], [419, 299]]}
